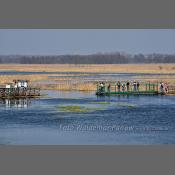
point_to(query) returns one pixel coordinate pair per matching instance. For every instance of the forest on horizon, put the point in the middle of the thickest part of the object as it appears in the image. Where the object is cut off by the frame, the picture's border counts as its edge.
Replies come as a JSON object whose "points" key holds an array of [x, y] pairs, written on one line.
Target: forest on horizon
{"points": [[109, 58]]}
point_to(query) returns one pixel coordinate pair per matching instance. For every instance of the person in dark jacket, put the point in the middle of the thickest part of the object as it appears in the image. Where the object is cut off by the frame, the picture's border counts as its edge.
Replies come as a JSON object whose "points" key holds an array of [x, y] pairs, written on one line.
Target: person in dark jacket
{"points": [[118, 86], [127, 85], [162, 87], [138, 86]]}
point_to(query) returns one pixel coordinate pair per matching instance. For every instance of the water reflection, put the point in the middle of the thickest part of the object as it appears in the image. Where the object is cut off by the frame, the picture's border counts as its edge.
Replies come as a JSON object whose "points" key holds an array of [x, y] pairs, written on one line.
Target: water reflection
{"points": [[114, 120], [16, 103]]}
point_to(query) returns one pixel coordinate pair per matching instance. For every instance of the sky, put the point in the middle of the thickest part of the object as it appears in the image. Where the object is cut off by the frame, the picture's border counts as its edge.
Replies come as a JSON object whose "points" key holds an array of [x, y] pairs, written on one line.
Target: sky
{"points": [[86, 41]]}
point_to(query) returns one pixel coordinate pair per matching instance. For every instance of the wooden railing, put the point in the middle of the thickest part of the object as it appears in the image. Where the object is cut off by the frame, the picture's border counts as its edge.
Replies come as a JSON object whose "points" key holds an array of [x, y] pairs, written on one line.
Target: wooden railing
{"points": [[142, 87], [19, 92], [171, 89]]}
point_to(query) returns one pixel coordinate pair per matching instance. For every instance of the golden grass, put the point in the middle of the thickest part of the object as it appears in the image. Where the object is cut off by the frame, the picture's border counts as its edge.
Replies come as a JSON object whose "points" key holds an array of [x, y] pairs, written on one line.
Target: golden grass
{"points": [[61, 83], [69, 83], [70, 86], [9, 78], [123, 68]]}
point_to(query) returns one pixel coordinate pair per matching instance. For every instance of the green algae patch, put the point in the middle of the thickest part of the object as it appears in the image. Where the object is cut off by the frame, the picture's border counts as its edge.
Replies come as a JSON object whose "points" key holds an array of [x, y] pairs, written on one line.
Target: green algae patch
{"points": [[43, 95], [101, 103], [129, 105], [76, 109]]}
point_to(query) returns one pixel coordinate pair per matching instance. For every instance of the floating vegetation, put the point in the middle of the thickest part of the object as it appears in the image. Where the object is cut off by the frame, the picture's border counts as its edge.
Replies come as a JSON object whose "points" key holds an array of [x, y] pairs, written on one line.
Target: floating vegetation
{"points": [[101, 103], [44, 95], [129, 105], [79, 109]]}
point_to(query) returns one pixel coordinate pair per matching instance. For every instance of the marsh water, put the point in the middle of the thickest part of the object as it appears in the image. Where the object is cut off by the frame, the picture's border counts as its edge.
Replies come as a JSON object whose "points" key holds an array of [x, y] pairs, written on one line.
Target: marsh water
{"points": [[106, 120], [74, 117]]}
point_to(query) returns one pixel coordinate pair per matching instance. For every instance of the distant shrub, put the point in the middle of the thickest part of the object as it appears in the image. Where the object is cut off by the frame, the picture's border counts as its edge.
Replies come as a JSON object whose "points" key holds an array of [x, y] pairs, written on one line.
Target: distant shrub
{"points": [[160, 67]]}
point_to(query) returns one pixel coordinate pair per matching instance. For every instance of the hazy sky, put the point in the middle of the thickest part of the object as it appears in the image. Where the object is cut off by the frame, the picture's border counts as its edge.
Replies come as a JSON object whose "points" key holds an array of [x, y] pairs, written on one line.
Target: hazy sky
{"points": [[86, 41]]}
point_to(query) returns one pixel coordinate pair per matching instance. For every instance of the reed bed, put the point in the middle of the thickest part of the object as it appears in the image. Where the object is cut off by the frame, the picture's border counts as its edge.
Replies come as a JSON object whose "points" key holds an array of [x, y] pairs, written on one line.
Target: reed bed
{"points": [[75, 80], [66, 86], [69, 84], [9, 78], [122, 68]]}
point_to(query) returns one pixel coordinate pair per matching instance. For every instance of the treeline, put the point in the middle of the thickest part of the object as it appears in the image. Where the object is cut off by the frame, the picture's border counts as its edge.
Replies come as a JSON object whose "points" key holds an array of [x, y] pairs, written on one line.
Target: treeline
{"points": [[114, 58]]}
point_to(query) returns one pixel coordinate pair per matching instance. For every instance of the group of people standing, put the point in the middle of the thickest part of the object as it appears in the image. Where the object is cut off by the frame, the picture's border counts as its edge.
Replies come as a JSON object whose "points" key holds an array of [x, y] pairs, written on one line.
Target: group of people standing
{"points": [[129, 86], [121, 87], [126, 86]]}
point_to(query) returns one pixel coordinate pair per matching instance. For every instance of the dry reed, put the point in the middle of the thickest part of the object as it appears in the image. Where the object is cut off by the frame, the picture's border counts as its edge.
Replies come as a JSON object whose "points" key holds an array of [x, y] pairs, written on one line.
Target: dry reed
{"points": [[69, 82], [123, 68]]}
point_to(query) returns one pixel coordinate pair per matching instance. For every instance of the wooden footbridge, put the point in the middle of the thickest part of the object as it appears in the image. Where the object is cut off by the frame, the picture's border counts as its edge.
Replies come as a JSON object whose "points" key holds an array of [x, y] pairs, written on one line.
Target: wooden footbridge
{"points": [[147, 88]]}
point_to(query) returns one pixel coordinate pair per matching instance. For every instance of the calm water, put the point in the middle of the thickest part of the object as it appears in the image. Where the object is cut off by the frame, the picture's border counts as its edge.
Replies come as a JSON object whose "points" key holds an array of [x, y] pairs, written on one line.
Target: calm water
{"points": [[105, 74], [121, 120], [91, 77]]}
